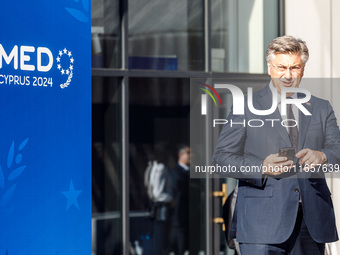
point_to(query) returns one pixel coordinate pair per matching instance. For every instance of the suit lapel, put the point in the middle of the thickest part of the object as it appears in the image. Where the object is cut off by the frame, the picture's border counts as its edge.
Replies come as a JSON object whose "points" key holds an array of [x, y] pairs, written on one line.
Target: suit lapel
{"points": [[266, 101], [304, 122]]}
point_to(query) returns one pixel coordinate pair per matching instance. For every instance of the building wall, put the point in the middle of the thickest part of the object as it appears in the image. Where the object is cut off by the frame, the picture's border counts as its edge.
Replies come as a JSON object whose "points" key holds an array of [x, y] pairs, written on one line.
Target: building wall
{"points": [[317, 22]]}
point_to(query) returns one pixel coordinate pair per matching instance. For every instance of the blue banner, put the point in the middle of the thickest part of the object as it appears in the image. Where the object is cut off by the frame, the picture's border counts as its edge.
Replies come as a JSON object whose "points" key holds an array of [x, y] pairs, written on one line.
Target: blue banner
{"points": [[45, 132]]}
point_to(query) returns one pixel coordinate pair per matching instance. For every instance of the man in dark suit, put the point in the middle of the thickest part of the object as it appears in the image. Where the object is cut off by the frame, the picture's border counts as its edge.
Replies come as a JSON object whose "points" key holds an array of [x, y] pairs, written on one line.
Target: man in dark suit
{"points": [[179, 179], [285, 207]]}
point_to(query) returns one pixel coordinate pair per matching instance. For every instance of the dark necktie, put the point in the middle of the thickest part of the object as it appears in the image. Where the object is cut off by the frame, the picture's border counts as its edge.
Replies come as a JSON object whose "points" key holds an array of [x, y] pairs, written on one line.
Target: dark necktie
{"points": [[292, 131]]}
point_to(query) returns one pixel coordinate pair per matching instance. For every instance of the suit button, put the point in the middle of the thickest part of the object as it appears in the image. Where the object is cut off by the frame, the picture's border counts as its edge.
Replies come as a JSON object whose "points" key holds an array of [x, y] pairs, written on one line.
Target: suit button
{"points": [[296, 190]]}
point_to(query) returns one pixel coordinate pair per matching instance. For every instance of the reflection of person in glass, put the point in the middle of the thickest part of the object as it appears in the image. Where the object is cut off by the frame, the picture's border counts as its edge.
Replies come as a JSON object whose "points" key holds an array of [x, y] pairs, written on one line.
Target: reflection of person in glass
{"points": [[157, 182], [280, 212], [179, 177]]}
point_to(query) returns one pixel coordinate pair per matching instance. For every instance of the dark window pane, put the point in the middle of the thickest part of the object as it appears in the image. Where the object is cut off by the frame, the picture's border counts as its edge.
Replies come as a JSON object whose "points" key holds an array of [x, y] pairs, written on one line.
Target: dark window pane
{"points": [[106, 166], [159, 114]]}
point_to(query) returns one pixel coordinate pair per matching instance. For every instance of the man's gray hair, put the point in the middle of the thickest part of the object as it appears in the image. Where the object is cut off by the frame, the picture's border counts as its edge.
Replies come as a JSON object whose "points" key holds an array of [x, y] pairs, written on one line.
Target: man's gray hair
{"points": [[181, 148], [287, 45]]}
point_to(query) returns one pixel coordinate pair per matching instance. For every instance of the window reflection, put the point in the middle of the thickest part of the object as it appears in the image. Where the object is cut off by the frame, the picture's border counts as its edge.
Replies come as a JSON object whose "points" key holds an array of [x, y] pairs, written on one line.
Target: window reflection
{"points": [[162, 35], [106, 34], [159, 124], [106, 167], [241, 30], [166, 35]]}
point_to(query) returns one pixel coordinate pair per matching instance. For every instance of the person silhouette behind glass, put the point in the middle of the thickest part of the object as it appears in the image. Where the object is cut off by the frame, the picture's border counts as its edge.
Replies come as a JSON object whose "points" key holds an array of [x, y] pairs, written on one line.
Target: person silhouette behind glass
{"points": [[179, 177], [156, 180]]}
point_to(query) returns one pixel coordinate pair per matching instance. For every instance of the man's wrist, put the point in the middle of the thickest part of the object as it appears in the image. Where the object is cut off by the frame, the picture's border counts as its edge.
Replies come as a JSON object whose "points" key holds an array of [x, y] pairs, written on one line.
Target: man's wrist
{"points": [[323, 158]]}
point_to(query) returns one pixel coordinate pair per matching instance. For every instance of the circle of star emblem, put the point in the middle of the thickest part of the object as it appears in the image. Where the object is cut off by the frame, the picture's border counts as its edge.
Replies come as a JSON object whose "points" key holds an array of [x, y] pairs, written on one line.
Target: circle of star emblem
{"points": [[68, 70]]}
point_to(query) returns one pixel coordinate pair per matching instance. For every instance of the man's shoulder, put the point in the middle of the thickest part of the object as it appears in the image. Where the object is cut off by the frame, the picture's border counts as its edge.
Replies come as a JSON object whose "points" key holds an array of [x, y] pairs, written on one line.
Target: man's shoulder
{"points": [[176, 172], [319, 106], [174, 169], [258, 97], [177, 168], [261, 94], [319, 101]]}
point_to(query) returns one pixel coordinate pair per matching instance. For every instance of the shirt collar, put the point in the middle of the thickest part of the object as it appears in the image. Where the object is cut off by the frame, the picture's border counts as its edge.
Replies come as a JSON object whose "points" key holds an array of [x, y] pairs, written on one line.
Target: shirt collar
{"points": [[185, 167]]}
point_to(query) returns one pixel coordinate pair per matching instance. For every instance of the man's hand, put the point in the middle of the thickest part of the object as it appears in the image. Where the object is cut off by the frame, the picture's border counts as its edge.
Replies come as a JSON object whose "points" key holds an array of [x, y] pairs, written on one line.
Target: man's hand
{"points": [[275, 165], [310, 158]]}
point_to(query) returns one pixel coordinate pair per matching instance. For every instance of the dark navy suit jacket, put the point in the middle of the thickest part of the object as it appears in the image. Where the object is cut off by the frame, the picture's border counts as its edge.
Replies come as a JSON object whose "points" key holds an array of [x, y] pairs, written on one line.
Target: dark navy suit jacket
{"points": [[180, 191], [267, 207]]}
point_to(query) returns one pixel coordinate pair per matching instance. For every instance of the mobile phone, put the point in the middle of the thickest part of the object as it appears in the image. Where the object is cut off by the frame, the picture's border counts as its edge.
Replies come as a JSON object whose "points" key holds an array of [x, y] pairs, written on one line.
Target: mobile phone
{"points": [[288, 152]]}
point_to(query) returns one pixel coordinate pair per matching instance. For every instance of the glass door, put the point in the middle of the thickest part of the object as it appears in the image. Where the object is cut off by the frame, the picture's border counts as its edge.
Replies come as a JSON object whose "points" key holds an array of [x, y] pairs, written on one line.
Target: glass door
{"points": [[207, 119], [172, 218]]}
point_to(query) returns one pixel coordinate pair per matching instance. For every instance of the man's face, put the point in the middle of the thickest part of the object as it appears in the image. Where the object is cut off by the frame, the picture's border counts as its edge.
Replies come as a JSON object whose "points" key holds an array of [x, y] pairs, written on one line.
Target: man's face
{"points": [[286, 70], [184, 156]]}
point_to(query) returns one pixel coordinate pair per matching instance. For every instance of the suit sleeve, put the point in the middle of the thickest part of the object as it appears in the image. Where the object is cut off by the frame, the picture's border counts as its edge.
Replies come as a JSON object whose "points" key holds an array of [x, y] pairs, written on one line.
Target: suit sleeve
{"points": [[229, 151], [331, 146]]}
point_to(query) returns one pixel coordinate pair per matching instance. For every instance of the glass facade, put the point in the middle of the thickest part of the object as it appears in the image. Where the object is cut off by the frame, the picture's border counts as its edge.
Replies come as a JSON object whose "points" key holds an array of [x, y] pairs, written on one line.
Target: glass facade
{"points": [[144, 54], [166, 35], [241, 31], [159, 111], [106, 166], [106, 34]]}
